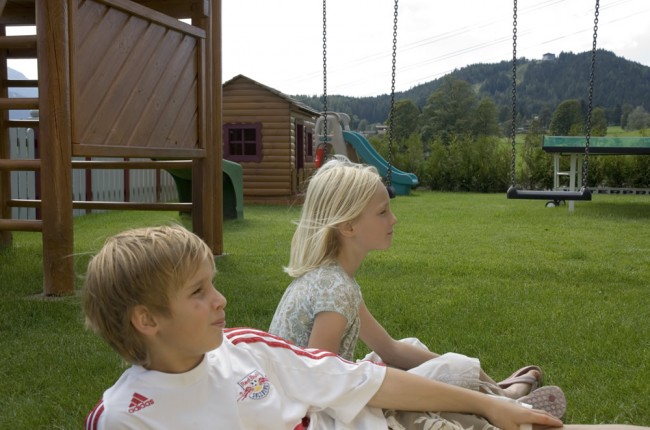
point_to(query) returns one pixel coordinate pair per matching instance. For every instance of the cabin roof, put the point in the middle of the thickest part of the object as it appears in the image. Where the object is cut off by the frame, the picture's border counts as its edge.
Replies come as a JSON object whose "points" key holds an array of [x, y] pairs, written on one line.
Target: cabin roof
{"points": [[301, 106]]}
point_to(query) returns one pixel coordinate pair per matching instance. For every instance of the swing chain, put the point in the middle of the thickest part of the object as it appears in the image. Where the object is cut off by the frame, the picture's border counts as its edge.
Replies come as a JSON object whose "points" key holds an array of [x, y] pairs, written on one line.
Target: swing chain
{"points": [[585, 162], [325, 139], [391, 115], [514, 94]]}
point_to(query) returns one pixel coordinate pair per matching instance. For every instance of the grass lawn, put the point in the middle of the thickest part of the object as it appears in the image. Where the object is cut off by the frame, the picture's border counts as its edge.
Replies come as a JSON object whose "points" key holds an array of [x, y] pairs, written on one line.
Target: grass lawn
{"points": [[508, 281]]}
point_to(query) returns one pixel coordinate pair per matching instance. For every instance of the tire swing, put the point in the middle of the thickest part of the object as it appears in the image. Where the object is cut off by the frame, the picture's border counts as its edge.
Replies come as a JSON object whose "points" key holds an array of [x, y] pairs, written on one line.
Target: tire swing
{"points": [[554, 198], [321, 149]]}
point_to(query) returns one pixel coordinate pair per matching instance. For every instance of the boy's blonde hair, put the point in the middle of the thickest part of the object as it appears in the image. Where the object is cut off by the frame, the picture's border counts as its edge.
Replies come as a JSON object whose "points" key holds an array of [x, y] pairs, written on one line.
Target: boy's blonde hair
{"points": [[337, 193], [142, 266]]}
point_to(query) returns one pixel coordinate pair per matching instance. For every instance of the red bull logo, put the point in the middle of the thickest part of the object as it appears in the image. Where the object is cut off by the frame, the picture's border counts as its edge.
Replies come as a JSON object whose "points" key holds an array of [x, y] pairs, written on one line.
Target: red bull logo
{"points": [[254, 386]]}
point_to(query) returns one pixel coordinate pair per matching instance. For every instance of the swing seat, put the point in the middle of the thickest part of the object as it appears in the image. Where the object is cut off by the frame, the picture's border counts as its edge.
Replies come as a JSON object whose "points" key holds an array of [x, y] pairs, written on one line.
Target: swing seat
{"points": [[583, 194]]}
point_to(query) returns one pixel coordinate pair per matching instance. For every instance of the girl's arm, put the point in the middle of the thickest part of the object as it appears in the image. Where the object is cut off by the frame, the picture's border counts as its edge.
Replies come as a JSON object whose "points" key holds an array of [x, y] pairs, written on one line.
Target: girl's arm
{"points": [[327, 331], [392, 352], [405, 391]]}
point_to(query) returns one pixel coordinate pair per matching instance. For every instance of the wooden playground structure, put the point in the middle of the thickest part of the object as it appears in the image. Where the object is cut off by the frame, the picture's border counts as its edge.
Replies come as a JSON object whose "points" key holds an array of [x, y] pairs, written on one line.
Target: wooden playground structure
{"points": [[116, 78]]}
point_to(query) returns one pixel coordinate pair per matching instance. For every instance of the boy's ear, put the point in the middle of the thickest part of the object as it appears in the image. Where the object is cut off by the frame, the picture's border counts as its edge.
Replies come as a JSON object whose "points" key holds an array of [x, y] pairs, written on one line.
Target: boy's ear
{"points": [[143, 320]]}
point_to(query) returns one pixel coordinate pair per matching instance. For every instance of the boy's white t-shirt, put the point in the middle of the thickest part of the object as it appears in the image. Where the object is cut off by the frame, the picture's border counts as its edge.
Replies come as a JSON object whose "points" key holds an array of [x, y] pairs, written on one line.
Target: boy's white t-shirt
{"points": [[252, 381]]}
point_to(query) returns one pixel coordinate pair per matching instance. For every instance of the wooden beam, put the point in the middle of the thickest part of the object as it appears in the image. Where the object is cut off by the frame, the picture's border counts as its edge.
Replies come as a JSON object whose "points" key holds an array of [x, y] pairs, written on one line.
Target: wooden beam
{"points": [[137, 9], [21, 42], [22, 123], [83, 150], [6, 236], [20, 225], [215, 79], [179, 9], [29, 165], [19, 165], [20, 83], [56, 148], [140, 206], [8, 103], [105, 205], [18, 14], [138, 164]]}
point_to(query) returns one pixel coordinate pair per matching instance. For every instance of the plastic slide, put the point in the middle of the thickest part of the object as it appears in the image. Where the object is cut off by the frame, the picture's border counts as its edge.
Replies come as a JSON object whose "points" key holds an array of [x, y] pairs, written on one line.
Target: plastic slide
{"points": [[233, 187], [401, 181]]}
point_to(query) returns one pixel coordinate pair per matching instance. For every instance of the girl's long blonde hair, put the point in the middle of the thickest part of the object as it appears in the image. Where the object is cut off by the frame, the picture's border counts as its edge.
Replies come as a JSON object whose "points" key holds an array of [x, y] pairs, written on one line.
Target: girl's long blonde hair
{"points": [[337, 193]]}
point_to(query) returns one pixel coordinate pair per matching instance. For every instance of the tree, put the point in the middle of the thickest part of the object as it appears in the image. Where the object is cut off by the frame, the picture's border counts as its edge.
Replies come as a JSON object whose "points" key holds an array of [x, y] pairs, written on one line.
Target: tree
{"points": [[625, 112], [449, 109], [598, 122], [544, 117], [363, 125], [484, 121], [405, 117], [614, 114], [638, 119], [567, 119], [537, 169]]}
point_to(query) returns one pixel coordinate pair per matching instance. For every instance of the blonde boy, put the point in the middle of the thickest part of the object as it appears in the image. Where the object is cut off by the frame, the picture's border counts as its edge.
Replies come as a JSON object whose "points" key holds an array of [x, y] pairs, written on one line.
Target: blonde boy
{"points": [[149, 293]]}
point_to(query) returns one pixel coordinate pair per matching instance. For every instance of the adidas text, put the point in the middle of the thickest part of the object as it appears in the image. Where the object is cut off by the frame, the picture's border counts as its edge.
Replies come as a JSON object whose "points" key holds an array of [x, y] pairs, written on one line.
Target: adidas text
{"points": [[141, 406]]}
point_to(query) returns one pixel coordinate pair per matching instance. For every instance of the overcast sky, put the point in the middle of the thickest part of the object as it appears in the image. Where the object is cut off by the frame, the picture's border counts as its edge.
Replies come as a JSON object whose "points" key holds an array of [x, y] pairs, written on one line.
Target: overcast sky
{"points": [[280, 42]]}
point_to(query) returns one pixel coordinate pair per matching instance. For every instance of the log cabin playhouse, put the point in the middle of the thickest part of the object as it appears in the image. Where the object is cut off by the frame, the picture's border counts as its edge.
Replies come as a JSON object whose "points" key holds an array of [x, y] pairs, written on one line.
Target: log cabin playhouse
{"points": [[272, 136]]}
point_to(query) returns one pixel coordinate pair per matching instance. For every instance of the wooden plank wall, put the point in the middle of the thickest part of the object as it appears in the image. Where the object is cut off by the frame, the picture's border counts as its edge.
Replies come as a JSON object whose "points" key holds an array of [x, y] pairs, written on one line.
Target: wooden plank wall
{"points": [[245, 102], [135, 82]]}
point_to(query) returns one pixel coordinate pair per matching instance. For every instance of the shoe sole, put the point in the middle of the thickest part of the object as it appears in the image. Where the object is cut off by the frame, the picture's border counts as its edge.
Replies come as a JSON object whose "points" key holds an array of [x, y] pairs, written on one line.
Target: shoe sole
{"points": [[549, 398]]}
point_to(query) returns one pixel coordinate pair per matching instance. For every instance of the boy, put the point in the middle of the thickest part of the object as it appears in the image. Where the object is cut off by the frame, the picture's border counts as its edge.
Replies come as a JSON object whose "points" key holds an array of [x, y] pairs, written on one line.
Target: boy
{"points": [[149, 294]]}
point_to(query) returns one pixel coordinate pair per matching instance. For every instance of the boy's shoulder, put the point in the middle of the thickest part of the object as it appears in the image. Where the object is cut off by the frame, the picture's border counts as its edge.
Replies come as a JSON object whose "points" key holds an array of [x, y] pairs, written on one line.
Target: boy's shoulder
{"points": [[119, 402], [254, 339], [268, 347]]}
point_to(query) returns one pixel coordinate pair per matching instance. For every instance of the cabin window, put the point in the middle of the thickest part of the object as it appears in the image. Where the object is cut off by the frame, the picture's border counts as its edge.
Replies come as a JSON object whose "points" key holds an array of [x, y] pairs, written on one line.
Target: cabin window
{"points": [[310, 145], [242, 142]]}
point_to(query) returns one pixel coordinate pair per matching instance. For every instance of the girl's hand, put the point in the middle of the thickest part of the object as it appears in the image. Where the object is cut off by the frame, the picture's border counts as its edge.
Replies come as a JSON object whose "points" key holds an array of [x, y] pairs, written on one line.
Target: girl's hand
{"points": [[510, 416]]}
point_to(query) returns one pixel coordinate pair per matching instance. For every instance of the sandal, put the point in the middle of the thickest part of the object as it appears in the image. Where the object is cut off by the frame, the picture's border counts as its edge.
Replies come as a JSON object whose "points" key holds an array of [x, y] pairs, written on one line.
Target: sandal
{"points": [[521, 376], [550, 399]]}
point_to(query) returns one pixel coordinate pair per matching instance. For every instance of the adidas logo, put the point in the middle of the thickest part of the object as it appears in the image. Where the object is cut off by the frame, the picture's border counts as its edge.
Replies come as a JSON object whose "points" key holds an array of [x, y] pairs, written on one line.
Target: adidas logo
{"points": [[139, 402]]}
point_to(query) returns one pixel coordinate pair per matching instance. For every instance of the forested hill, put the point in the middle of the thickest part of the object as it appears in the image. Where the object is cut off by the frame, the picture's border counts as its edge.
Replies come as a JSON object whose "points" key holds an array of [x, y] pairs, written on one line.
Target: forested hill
{"points": [[541, 86]]}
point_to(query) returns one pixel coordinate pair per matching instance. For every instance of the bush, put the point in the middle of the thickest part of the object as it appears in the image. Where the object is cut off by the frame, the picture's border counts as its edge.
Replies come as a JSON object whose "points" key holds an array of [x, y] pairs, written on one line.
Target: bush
{"points": [[467, 164], [537, 169], [483, 164]]}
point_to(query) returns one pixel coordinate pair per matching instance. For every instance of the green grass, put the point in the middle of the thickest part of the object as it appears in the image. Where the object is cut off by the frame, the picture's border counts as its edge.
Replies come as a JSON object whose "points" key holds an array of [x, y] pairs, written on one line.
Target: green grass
{"points": [[508, 281], [619, 132]]}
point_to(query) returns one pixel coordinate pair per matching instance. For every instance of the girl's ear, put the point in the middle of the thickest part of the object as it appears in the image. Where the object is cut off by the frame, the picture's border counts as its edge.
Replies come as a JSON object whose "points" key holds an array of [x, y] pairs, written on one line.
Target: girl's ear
{"points": [[143, 320], [346, 229]]}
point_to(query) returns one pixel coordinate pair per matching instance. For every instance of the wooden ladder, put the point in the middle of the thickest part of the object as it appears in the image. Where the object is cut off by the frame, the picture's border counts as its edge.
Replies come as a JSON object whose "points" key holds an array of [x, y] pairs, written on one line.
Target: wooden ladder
{"points": [[14, 47]]}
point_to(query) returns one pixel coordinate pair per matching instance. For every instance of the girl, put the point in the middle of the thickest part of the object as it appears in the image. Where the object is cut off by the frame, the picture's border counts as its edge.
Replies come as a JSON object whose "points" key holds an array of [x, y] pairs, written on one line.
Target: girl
{"points": [[346, 215]]}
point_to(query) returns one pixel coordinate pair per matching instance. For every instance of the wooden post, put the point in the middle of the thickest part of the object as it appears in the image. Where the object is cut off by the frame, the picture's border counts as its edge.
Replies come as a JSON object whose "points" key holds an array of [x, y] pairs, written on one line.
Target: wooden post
{"points": [[5, 152], [201, 201], [217, 123], [208, 208], [56, 145]]}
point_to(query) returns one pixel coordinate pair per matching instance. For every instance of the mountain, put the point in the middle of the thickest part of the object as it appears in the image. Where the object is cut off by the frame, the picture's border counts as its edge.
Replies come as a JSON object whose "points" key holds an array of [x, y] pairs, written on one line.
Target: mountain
{"points": [[541, 85], [18, 93]]}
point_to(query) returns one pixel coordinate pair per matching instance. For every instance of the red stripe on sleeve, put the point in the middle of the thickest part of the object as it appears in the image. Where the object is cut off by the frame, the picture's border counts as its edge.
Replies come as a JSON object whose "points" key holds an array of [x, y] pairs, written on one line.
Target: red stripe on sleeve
{"points": [[92, 419], [245, 335]]}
